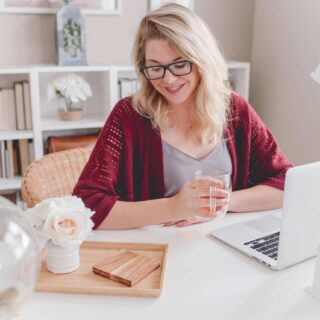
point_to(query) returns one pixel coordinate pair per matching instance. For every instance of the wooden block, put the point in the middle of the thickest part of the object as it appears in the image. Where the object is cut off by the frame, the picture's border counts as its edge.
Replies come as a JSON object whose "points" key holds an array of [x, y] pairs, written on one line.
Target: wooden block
{"points": [[126, 267]]}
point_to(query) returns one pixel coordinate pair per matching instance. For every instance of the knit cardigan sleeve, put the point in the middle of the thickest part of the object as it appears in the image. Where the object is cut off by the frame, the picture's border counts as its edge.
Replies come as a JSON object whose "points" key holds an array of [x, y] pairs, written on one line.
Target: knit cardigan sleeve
{"points": [[97, 184], [259, 158]]}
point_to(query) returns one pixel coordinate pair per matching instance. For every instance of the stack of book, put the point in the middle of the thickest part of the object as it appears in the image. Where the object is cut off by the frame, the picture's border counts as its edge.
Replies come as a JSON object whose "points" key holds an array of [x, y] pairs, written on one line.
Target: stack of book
{"points": [[127, 87], [15, 107], [15, 156]]}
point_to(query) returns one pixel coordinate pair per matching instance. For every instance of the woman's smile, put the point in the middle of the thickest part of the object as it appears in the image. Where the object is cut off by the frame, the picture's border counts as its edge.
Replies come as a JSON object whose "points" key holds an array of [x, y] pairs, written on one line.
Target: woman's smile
{"points": [[174, 89]]}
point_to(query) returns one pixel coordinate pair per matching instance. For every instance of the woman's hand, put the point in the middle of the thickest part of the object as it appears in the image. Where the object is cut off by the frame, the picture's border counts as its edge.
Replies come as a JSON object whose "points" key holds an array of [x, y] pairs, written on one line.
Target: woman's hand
{"points": [[198, 201], [185, 223]]}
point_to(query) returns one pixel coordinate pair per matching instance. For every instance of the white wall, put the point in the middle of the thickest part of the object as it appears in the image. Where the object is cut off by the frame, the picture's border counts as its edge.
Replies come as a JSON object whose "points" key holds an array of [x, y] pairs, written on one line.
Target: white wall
{"points": [[286, 48], [30, 38], [231, 21]]}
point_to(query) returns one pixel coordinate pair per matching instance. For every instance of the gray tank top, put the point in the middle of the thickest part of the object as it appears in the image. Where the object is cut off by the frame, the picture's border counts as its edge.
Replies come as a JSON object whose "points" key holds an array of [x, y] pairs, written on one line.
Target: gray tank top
{"points": [[179, 167]]}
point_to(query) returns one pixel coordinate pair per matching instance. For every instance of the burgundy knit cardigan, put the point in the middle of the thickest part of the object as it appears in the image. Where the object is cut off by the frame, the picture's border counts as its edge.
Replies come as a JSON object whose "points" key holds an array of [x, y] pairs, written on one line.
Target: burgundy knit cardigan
{"points": [[127, 162]]}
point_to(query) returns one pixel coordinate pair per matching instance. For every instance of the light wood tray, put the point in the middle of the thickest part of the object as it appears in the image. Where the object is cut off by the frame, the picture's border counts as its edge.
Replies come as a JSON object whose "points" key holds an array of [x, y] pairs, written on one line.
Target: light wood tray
{"points": [[84, 281]]}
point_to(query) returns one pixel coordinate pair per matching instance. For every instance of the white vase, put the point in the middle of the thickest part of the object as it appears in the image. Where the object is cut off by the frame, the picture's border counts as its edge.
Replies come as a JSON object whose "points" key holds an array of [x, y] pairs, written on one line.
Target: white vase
{"points": [[61, 259]]}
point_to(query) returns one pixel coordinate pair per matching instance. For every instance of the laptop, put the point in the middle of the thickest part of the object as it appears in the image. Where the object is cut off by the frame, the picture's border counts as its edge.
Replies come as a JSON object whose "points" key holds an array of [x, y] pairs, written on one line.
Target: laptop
{"points": [[281, 240]]}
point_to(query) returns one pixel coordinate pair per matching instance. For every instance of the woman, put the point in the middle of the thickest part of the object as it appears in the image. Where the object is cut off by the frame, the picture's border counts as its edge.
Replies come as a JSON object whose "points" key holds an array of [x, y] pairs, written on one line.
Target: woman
{"points": [[183, 110]]}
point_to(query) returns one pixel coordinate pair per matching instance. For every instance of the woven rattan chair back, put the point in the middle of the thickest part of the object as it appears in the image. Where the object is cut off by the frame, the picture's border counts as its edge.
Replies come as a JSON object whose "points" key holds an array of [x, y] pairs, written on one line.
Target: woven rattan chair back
{"points": [[54, 175]]}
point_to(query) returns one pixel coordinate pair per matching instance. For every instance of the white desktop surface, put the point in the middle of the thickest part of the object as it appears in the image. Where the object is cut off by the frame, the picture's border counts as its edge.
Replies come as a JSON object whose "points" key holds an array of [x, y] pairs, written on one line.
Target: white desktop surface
{"points": [[204, 279]]}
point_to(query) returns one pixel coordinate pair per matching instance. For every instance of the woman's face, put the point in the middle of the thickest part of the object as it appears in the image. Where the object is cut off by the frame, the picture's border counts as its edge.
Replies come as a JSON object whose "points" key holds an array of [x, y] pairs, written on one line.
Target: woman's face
{"points": [[176, 90]]}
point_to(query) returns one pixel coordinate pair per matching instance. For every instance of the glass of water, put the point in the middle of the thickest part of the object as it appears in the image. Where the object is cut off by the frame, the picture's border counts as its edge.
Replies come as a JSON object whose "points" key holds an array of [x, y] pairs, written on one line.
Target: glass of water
{"points": [[218, 204]]}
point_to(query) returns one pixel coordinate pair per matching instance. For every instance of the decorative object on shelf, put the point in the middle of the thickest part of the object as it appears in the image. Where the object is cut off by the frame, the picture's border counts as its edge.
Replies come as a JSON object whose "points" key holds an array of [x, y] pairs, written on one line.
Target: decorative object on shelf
{"points": [[70, 35], [19, 259], [154, 4], [315, 289], [69, 90], [61, 225]]}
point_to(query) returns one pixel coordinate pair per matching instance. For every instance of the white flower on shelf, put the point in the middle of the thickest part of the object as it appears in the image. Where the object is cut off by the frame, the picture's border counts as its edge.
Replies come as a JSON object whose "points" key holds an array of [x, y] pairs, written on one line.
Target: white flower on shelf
{"points": [[71, 88], [65, 221]]}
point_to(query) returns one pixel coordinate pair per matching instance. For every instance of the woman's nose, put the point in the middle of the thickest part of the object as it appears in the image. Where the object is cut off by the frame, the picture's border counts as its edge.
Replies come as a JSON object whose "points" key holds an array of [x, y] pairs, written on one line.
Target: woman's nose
{"points": [[169, 77]]}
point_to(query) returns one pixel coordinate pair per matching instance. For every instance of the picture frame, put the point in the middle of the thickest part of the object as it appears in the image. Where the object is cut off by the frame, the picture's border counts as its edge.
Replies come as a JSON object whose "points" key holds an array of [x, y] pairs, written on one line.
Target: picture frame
{"points": [[71, 39], [154, 4], [89, 7]]}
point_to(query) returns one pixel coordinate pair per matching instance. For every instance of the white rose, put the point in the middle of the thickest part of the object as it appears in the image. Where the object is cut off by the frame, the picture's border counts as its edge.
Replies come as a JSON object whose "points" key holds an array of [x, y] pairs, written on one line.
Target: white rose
{"points": [[66, 221], [67, 228], [37, 217]]}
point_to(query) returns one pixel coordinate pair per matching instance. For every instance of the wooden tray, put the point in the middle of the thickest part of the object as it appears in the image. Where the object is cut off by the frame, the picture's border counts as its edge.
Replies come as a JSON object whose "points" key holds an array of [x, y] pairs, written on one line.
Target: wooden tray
{"points": [[84, 281]]}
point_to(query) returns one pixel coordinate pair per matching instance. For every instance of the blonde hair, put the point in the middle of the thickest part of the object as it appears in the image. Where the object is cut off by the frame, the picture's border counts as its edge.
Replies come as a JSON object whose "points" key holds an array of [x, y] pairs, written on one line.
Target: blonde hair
{"points": [[189, 35]]}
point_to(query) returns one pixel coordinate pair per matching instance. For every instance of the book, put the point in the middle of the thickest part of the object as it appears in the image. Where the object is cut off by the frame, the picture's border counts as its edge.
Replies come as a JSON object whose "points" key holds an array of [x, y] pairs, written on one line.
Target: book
{"points": [[27, 105], [1, 173], [16, 162], [9, 110], [59, 143], [10, 163], [31, 151], [2, 110], [23, 155], [18, 98], [3, 159], [127, 87]]}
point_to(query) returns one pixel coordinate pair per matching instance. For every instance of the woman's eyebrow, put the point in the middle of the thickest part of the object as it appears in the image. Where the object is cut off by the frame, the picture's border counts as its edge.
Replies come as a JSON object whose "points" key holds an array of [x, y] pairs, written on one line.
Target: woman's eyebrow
{"points": [[156, 61]]}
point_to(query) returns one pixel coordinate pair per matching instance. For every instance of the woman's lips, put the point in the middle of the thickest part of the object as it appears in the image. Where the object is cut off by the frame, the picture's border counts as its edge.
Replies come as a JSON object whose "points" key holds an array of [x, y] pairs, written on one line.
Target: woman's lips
{"points": [[175, 89]]}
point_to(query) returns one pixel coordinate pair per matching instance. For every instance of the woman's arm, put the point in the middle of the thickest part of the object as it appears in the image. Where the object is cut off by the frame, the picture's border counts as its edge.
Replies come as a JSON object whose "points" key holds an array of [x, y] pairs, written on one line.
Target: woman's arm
{"points": [[126, 215], [191, 201], [257, 198]]}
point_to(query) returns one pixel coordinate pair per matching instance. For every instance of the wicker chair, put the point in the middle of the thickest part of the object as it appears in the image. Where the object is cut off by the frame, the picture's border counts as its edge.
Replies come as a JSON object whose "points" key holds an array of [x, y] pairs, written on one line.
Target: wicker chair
{"points": [[54, 175]]}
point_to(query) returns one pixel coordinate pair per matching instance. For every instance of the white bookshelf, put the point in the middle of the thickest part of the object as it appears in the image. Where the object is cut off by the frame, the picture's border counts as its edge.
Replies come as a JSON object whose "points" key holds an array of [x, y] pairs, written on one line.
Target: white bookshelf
{"points": [[104, 84], [239, 75], [13, 184]]}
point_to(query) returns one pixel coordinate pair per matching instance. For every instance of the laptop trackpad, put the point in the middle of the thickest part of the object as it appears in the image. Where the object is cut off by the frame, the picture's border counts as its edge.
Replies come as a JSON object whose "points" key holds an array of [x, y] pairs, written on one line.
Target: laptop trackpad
{"points": [[265, 224]]}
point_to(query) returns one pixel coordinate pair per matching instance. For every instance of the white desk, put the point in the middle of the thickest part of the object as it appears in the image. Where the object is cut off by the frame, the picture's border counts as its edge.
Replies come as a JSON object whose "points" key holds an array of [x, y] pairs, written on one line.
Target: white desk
{"points": [[205, 279]]}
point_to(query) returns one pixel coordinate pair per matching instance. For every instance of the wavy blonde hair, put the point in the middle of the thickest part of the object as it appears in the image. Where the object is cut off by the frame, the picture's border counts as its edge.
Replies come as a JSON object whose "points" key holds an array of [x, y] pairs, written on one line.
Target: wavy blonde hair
{"points": [[189, 35]]}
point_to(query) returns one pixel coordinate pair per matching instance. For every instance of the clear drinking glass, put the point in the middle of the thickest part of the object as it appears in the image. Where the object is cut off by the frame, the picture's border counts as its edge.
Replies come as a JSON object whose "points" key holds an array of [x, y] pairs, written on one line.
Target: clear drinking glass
{"points": [[218, 204]]}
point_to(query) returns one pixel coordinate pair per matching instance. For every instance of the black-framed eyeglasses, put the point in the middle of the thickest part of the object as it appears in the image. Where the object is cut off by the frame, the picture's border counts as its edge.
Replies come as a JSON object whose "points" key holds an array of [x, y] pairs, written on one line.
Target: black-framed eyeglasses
{"points": [[180, 68]]}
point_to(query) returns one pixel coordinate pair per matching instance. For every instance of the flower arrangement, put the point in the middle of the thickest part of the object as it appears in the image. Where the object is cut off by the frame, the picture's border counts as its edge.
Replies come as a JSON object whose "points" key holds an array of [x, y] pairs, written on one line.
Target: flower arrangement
{"points": [[71, 88], [64, 221]]}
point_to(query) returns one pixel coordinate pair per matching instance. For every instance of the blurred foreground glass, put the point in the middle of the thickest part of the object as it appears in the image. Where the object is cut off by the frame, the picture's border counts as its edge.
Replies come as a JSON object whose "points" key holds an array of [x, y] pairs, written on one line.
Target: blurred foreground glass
{"points": [[315, 75], [19, 260], [218, 204]]}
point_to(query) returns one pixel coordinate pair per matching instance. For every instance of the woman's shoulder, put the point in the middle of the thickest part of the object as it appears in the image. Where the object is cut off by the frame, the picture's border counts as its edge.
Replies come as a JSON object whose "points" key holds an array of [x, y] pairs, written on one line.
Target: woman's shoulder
{"points": [[239, 105], [124, 109], [125, 116], [241, 113]]}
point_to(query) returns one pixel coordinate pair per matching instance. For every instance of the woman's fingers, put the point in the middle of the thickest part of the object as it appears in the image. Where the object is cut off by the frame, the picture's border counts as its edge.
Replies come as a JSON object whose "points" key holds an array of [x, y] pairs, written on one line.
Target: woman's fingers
{"points": [[212, 202], [170, 223], [195, 220], [205, 182], [205, 191]]}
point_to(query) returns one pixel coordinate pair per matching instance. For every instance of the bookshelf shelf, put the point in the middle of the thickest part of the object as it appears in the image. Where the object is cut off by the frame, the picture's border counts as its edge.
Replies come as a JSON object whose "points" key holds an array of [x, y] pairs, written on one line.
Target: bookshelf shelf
{"points": [[106, 82], [15, 135], [13, 70], [53, 124], [10, 184]]}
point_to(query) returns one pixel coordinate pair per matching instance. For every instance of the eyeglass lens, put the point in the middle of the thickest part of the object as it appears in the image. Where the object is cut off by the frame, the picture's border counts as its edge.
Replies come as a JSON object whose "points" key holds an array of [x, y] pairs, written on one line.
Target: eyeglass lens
{"points": [[180, 68]]}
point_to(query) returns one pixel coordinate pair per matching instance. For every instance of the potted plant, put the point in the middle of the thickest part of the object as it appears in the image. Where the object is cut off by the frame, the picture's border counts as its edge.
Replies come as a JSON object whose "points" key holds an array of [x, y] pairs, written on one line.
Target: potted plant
{"points": [[69, 90], [61, 224]]}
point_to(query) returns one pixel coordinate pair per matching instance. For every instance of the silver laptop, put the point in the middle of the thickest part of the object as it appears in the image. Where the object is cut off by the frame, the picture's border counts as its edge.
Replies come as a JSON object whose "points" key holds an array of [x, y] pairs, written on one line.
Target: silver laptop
{"points": [[279, 242]]}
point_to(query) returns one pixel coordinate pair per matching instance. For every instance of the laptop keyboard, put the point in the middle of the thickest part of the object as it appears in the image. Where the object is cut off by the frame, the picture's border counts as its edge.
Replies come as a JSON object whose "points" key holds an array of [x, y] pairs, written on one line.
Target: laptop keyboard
{"points": [[267, 245]]}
